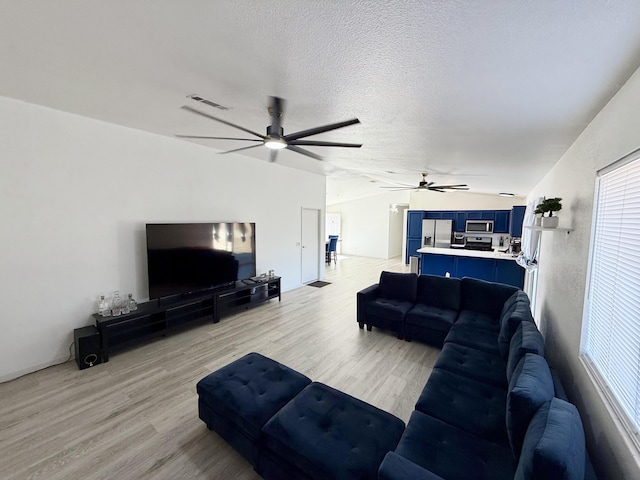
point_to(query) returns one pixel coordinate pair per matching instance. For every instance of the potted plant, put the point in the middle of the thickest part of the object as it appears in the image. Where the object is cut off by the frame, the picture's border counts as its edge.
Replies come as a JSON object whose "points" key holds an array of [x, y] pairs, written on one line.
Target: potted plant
{"points": [[549, 205]]}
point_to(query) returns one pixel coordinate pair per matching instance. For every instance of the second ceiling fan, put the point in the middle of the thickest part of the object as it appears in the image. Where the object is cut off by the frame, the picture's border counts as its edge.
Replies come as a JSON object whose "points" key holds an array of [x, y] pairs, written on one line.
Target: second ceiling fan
{"points": [[275, 139], [431, 186]]}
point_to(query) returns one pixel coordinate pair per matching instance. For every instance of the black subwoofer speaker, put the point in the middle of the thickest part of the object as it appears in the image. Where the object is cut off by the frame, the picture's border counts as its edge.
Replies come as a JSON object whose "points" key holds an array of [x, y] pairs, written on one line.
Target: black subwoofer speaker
{"points": [[88, 351]]}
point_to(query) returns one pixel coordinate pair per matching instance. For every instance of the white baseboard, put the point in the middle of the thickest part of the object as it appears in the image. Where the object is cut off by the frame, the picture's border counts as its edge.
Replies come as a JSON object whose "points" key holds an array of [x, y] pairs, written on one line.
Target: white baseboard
{"points": [[33, 368]]}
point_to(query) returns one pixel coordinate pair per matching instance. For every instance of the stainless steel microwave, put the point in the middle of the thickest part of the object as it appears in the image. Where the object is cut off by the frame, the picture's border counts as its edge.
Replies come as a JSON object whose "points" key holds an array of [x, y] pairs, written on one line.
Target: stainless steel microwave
{"points": [[478, 226]]}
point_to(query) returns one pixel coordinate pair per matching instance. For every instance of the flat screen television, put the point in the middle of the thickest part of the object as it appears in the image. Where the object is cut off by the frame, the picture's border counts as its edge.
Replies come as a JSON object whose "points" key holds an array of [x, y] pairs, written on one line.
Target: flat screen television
{"points": [[185, 258]]}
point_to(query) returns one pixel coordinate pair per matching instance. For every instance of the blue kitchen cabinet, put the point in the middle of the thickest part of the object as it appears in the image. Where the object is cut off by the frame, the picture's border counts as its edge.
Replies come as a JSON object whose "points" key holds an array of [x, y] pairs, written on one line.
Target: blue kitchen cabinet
{"points": [[474, 214], [413, 244], [414, 232], [492, 270], [517, 218], [437, 264], [482, 268], [414, 223], [488, 215], [509, 272], [460, 221], [448, 215], [501, 223], [433, 215]]}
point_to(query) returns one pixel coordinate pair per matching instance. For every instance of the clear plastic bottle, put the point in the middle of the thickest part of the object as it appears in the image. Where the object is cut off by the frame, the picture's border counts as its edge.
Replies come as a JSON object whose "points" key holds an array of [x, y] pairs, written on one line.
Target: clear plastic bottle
{"points": [[133, 305], [103, 307], [116, 304], [125, 307]]}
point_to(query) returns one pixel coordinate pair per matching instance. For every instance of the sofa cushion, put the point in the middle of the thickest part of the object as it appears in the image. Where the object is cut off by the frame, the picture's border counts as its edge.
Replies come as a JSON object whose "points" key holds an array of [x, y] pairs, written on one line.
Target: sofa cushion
{"points": [[452, 453], [526, 339], [474, 364], [398, 286], [329, 434], [249, 390], [395, 467], [435, 318], [485, 297], [481, 320], [442, 292], [392, 310], [531, 386], [510, 303], [509, 322], [472, 337], [464, 403], [554, 445]]}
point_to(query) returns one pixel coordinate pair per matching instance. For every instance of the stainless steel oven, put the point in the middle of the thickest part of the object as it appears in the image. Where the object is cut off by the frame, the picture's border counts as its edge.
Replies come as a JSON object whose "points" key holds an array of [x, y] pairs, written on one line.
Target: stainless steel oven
{"points": [[478, 226]]}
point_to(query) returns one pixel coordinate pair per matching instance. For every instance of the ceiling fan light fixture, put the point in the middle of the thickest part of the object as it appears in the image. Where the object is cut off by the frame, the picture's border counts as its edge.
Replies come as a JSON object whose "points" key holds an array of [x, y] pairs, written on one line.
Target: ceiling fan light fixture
{"points": [[275, 143]]}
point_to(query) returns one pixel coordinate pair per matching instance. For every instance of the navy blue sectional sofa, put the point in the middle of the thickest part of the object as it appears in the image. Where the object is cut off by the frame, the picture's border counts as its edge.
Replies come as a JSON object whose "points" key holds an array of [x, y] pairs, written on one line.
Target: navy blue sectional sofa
{"points": [[491, 408]]}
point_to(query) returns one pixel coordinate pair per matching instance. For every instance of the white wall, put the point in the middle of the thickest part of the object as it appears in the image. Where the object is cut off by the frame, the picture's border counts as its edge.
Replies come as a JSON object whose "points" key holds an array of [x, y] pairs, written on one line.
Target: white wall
{"points": [[76, 194], [462, 201], [396, 222], [563, 269], [365, 224]]}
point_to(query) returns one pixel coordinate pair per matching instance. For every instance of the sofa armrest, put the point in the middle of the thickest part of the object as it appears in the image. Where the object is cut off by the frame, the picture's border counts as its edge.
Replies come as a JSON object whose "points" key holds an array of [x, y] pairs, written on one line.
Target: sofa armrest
{"points": [[363, 297], [395, 467]]}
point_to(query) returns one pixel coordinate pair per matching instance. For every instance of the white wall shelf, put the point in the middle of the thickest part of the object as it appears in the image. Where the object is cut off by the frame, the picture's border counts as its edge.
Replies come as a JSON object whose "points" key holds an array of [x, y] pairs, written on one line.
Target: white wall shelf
{"points": [[547, 229]]}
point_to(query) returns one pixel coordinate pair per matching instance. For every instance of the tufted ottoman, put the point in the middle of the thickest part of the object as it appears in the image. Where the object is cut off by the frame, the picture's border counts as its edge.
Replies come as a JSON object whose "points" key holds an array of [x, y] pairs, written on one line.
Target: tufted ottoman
{"points": [[324, 433], [238, 399]]}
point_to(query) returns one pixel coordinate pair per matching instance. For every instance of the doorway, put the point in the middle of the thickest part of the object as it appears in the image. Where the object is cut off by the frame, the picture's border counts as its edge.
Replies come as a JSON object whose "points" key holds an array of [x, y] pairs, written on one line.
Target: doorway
{"points": [[310, 244]]}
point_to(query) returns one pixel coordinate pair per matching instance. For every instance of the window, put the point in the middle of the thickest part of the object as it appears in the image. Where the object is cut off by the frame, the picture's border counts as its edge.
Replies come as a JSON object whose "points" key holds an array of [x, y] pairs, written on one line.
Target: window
{"points": [[611, 324]]}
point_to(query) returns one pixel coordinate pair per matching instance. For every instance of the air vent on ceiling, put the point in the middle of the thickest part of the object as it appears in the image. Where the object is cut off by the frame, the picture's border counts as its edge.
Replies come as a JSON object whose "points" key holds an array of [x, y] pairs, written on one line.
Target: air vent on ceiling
{"points": [[200, 99]]}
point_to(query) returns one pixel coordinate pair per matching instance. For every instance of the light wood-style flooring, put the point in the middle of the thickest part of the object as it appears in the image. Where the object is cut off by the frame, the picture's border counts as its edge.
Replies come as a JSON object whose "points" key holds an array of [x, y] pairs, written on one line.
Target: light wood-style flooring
{"points": [[136, 417]]}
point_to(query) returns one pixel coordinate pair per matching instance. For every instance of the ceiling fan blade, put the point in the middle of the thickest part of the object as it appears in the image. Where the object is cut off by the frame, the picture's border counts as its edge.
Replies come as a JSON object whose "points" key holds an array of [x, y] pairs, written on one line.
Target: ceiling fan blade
{"points": [[239, 149], [313, 143], [273, 154], [436, 189], [317, 130], [451, 186], [293, 148], [219, 138], [399, 188], [204, 114]]}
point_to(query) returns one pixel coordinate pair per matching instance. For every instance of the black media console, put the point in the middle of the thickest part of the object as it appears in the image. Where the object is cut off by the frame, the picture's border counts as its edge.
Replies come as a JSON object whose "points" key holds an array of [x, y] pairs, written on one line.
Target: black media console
{"points": [[157, 318]]}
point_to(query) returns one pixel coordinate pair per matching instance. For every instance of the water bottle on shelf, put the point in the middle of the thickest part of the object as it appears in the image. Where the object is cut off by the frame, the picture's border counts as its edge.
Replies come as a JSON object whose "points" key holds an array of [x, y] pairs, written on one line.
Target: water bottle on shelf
{"points": [[133, 305], [103, 307], [116, 304], [125, 307]]}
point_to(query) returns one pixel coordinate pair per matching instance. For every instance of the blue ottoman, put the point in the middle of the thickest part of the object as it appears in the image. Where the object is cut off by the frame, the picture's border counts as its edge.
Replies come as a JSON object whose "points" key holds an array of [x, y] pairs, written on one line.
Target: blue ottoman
{"points": [[326, 434], [237, 400]]}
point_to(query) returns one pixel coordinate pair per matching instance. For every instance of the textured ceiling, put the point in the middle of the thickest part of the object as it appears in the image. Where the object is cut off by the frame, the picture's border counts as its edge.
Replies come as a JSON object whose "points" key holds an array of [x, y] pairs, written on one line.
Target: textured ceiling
{"points": [[490, 93]]}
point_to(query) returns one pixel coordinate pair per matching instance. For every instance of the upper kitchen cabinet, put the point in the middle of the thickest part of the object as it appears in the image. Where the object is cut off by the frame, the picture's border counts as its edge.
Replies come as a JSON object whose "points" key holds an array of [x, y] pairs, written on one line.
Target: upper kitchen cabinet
{"points": [[517, 218], [414, 223], [501, 223], [460, 221]]}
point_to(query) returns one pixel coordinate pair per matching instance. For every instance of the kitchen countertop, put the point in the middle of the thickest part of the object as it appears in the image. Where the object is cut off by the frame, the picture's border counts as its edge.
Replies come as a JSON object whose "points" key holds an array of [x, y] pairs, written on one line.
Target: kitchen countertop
{"points": [[462, 252]]}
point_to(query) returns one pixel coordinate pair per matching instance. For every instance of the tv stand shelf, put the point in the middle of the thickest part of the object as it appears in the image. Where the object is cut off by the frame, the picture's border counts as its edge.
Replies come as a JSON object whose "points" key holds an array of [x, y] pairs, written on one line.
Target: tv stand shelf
{"points": [[157, 318]]}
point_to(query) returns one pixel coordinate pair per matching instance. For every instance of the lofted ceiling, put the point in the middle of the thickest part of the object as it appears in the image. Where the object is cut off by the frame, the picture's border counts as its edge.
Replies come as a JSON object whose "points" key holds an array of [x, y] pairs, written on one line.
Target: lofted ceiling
{"points": [[489, 93]]}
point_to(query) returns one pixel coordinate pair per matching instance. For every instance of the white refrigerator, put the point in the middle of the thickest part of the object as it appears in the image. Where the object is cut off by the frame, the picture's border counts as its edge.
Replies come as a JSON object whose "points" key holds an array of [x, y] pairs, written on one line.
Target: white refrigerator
{"points": [[437, 233]]}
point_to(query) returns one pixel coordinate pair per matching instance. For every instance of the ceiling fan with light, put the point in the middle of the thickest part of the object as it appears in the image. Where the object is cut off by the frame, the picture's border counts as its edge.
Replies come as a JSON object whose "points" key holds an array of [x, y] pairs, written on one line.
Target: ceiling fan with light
{"points": [[275, 139], [431, 186]]}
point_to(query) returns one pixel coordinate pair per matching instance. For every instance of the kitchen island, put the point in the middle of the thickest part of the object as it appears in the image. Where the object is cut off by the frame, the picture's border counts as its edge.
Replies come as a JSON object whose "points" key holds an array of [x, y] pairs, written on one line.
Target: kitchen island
{"points": [[492, 265]]}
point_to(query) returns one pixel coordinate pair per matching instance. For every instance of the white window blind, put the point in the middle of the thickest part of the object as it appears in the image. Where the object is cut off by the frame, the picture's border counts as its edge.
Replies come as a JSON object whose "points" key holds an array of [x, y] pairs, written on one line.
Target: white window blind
{"points": [[611, 344]]}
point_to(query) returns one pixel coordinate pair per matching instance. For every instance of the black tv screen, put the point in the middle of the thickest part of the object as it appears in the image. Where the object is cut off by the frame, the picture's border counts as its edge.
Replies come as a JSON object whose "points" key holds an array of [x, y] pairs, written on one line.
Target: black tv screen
{"points": [[191, 257]]}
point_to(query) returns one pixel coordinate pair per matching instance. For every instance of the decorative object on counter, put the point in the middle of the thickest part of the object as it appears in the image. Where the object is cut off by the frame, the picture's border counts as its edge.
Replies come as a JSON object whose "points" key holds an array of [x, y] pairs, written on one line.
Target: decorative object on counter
{"points": [[103, 307], [133, 305], [272, 273], [549, 205], [116, 304]]}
